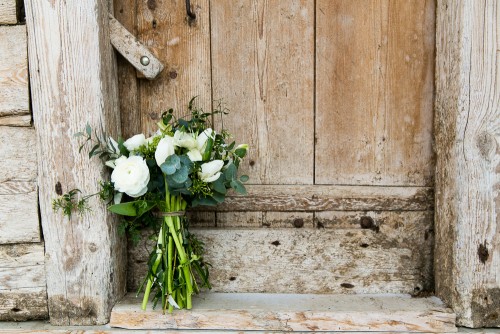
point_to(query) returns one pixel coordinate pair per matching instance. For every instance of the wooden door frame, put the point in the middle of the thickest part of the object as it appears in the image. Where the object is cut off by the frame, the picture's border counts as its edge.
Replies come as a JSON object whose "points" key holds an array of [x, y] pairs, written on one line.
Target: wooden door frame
{"points": [[70, 53]]}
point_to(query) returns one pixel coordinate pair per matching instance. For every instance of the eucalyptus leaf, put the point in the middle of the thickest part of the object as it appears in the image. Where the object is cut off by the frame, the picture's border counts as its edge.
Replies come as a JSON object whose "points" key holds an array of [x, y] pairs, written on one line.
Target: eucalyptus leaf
{"points": [[219, 186], [244, 178]]}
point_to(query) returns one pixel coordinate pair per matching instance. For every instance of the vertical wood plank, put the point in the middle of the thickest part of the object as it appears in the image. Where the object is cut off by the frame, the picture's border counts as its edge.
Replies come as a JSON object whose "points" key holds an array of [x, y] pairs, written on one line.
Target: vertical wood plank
{"points": [[263, 69], [467, 255], [130, 115], [184, 48], [374, 92], [73, 81]]}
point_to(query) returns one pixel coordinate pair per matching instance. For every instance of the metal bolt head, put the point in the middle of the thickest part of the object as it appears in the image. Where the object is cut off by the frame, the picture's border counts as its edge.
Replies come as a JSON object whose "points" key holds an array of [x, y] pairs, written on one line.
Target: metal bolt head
{"points": [[145, 60]]}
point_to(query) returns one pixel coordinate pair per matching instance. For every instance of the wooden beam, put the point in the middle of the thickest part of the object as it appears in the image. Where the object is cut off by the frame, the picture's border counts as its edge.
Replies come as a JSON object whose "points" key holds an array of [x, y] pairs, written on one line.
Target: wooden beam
{"points": [[133, 50], [18, 160], [14, 94], [467, 123], [294, 312], [328, 198], [346, 252], [73, 82]]}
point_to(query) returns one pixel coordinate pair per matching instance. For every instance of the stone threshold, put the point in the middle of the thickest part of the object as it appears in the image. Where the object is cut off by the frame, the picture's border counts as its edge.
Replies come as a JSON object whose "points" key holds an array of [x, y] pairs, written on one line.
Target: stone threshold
{"points": [[291, 312]]}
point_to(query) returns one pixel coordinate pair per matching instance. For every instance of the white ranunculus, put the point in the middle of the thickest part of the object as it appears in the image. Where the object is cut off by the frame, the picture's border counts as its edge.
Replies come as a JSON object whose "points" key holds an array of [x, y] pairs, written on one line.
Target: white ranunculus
{"points": [[135, 142], [165, 148], [210, 171], [183, 139], [131, 175]]}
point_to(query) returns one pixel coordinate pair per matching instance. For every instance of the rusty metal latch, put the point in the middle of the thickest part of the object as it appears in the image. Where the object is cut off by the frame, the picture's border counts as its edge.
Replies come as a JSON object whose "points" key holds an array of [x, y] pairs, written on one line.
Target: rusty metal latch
{"points": [[134, 51]]}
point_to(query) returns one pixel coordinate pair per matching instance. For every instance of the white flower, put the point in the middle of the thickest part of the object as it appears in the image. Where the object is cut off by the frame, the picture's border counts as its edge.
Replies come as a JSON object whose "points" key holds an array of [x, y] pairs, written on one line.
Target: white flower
{"points": [[202, 139], [113, 163], [166, 148], [135, 142], [131, 175], [194, 155], [210, 171], [183, 139]]}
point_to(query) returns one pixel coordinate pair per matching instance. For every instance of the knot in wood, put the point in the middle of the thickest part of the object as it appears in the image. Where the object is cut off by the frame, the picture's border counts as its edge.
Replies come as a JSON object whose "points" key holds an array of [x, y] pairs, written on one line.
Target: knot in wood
{"points": [[298, 223]]}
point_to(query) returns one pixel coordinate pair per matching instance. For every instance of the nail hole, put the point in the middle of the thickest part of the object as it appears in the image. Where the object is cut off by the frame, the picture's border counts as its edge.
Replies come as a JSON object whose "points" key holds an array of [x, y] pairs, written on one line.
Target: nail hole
{"points": [[347, 285], [232, 278], [276, 243], [364, 245]]}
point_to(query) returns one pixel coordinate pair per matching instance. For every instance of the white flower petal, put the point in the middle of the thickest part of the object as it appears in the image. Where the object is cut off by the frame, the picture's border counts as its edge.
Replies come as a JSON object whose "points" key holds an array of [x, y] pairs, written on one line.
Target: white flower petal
{"points": [[165, 149], [135, 142], [131, 176], [212, 178], [194, 155]]}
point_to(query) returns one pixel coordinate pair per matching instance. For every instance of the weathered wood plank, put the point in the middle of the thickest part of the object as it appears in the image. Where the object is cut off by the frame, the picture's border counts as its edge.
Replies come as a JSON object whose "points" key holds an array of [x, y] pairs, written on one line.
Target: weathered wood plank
{"points": [[328, 198], [23, 304], [184, 46], [263, 69], [85, 257], [19, 212], [18, 158], [130, 48], [468, 160], [130, 115], [393, 255], [294, 312], [265, 219], [374, 92], [22, 267], [8, 13], [14, 94]]}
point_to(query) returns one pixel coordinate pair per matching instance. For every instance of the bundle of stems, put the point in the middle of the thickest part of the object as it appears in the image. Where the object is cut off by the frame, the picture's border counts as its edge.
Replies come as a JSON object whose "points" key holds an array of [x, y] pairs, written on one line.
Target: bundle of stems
{"points": [[170, 266]]}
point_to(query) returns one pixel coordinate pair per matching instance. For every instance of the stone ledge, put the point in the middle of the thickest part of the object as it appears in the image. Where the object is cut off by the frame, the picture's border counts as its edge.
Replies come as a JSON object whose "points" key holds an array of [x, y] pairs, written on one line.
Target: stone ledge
{"points": [[292, 312]]}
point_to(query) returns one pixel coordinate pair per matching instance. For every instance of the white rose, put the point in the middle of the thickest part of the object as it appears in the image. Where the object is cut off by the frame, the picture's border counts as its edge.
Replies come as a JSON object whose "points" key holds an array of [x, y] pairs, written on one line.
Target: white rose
{"points": [[210, 171], [183, 139], [164, 149], [135, 142], [131, 175]]}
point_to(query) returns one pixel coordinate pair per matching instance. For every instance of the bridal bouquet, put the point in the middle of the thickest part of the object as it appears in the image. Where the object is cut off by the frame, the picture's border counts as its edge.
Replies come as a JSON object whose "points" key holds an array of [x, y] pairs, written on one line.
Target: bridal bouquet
{"points": [[184, 164]]}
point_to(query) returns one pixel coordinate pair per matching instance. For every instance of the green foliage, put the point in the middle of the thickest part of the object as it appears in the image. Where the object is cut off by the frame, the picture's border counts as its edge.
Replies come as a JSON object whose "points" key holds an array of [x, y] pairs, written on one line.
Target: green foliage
{"points": [[70, 202]]}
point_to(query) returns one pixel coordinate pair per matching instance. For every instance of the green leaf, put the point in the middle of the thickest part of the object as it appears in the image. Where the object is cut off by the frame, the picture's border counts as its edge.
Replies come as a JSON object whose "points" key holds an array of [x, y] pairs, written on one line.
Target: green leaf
{"points": [[244, 178], [219, 185], [78, 134], [240, 152], [132, 209], [208, 149], [124, 209], [218, 197], [230, 172], [88, 130], [181, 175], [94, 150], [168, 169], [238, 187]]}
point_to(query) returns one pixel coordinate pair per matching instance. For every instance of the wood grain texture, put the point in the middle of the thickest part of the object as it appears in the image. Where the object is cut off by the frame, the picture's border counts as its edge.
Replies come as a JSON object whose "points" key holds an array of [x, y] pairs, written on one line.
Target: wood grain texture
{"points": [[18, 157], [293, 312], [263, 69], [14, 94], [468, 166], [8, 12], [130, 48], [184, 47], [22, 266], [328, 198], [22, 305], [374, 92], [338, 257], [73, 82], [130, 115], [19, 212]]}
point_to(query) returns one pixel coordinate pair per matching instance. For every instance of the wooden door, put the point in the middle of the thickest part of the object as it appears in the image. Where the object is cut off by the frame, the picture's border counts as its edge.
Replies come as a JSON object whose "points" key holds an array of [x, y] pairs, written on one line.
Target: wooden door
{"points": [[335, 99]]}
